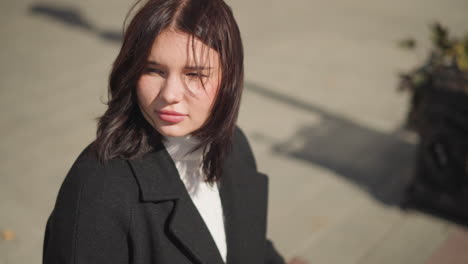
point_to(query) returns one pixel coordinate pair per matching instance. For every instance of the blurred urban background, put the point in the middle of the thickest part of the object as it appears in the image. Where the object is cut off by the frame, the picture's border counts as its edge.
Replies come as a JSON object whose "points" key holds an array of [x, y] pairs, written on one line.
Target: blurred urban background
{"points": [[321, 109]]}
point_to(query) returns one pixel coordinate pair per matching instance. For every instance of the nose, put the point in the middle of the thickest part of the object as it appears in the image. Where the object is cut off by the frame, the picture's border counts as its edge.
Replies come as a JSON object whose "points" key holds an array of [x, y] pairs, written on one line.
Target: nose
{"points": [[172, 90]]}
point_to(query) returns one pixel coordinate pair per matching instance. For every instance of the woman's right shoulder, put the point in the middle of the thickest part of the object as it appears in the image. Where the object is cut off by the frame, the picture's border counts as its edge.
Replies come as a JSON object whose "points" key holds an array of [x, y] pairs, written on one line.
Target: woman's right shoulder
{"points": [[94, 204], [111, 179], [88, 162]]}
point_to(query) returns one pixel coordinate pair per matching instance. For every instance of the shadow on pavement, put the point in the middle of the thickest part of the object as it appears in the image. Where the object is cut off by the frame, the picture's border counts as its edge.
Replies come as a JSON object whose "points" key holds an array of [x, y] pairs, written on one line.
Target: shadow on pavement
{"points": [[381, 163], [71, 16], [378, 162]]}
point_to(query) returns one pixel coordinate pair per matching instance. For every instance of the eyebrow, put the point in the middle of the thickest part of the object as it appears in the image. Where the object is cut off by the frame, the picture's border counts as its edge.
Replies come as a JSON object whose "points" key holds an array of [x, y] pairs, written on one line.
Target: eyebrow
{"points": [[188, 67]]}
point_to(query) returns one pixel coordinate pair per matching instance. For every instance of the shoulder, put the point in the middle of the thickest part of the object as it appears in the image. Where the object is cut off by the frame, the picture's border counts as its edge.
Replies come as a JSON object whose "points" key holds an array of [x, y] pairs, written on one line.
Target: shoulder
{"points": [[242, 148], [89, 179], [243, 165], [93, 207], [243, 156], [87, 165]]}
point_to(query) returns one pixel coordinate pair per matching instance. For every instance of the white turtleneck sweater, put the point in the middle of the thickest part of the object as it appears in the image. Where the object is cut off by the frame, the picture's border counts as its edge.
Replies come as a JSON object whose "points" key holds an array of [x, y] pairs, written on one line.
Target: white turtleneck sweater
{"points": [[205, 197]]}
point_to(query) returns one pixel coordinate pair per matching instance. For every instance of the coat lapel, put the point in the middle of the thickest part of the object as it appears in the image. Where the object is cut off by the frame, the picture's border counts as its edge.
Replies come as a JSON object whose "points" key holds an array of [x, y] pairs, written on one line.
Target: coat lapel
{"points": [[159, 180], [243, 193]]}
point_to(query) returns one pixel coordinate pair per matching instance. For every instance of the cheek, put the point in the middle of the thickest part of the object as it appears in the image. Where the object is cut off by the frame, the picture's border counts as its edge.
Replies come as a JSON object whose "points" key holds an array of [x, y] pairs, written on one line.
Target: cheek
{"points": [[206, 102], [147, 90], [212, 92]]}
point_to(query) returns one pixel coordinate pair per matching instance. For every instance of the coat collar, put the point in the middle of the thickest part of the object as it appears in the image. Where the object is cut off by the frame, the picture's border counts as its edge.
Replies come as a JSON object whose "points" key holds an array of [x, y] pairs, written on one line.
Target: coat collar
{"points": [[157, 176], [159, 180]]}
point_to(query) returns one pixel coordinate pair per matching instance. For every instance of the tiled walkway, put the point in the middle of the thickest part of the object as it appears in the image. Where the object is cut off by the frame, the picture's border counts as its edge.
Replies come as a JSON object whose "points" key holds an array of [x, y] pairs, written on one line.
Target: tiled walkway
{"points": [[320, 110]]}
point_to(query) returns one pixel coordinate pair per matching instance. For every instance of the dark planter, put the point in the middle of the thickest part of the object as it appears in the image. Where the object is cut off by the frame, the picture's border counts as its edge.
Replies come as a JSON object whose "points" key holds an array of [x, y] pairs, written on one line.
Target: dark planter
{"points": [[439, 115]]}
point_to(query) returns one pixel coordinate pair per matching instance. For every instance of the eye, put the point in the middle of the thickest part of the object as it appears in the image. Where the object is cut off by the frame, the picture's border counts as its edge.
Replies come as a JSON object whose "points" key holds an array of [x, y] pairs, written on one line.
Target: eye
{"points": [[155, 71], [196, 75]]}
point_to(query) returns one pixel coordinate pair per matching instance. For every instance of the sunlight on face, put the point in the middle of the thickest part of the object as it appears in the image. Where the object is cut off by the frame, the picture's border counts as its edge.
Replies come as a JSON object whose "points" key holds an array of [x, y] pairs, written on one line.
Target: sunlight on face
{"points": [[170, 93]]}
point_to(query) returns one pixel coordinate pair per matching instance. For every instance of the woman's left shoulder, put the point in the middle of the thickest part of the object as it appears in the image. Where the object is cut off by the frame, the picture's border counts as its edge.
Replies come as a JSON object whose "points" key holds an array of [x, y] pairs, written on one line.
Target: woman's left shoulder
{"points": [[242, 148], [244, 157]]}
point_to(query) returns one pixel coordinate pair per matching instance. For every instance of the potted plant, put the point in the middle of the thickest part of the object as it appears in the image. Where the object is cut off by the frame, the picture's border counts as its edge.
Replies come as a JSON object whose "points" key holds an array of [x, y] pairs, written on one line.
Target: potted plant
{"points": [[438, 113]]}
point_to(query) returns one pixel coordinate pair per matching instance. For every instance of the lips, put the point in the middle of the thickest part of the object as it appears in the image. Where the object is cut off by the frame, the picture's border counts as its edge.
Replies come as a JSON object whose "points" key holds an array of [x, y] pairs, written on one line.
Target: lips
{"points": [[171, 116]]}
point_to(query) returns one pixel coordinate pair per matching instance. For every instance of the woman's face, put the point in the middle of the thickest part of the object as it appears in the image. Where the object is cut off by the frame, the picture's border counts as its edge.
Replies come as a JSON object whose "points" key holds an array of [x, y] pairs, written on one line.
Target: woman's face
{"points": [[170, 93]]}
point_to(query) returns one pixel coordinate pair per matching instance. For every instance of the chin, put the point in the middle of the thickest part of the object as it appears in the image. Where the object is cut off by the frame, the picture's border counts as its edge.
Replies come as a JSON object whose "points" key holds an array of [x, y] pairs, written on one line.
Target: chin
{"points": [[173, 131]]}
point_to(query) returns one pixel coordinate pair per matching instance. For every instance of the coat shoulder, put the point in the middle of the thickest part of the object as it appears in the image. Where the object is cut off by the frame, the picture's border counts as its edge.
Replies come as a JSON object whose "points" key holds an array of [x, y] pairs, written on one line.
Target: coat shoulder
{"points": [[243, 161], [94, 203], [87, 165], [242, 149], [89, 178]]}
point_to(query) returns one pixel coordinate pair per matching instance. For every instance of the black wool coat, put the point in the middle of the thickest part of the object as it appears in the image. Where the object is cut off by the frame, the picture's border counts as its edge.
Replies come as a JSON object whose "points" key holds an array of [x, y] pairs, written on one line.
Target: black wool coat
{"points": [[138, 211]]}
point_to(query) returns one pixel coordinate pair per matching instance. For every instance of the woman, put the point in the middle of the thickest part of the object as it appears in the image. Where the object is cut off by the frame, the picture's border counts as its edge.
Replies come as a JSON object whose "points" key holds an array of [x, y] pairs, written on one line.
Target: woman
{"points": [[169, 177]]}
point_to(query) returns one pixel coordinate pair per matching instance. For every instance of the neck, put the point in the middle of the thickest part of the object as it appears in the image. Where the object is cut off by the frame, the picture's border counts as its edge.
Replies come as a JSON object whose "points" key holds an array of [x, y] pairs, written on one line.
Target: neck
{"points": [[180, 147]]}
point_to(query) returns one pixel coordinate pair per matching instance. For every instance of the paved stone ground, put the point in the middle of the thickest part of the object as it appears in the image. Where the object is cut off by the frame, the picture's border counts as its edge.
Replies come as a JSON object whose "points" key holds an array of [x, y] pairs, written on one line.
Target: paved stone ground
{"points": [[320, 109]]}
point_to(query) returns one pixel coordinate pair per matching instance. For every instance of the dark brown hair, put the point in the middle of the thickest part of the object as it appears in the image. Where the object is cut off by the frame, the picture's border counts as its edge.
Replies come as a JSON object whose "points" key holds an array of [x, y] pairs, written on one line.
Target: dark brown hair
{"points": [[122, 131]]}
